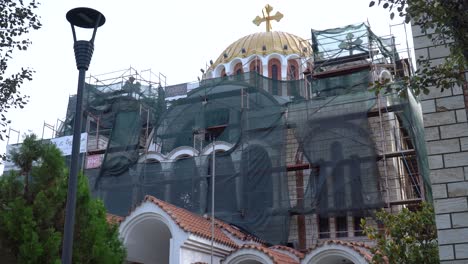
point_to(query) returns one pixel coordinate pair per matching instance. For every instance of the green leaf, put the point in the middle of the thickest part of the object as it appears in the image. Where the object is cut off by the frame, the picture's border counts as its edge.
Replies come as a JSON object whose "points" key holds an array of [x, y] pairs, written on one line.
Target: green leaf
{"points": [[408, 236], [407, 19]]}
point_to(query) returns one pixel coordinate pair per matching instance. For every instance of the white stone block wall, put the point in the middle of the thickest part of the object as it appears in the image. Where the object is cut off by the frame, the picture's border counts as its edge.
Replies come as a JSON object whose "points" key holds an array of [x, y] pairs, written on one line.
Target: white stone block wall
{"points": [[446, 131]]}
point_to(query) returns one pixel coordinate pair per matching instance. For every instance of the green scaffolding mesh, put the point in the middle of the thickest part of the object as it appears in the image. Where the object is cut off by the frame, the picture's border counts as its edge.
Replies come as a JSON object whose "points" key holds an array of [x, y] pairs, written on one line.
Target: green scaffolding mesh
{"points": [[346, 45], [258, 136], [410, 114], [333, 133], [233, 113]]}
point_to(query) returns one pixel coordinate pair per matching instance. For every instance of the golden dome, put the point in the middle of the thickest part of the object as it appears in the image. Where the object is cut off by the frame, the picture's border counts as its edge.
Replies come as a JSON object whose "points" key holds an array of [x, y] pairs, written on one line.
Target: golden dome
{"points": [[264, 43]]}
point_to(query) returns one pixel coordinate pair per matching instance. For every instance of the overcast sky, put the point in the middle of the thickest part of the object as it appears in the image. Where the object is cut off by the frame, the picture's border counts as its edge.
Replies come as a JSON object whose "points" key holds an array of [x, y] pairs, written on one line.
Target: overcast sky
{"points": [[173, 37]]}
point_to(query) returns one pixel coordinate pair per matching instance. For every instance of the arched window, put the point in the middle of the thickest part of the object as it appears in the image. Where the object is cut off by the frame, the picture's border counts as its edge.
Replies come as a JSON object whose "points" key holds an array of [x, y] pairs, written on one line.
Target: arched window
{"points": [[274, 73], [293, 74], [293, 70], [339, 183], [238, 71], [185, 179], [319, 181], [256, 66], [256, 173], [255, 70], [223, 73], [152, 179], [225, 183], [257, 199], [338, 177]]}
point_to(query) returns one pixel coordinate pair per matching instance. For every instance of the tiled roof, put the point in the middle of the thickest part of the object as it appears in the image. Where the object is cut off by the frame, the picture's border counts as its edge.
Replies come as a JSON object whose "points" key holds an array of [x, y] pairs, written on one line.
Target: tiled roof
{"points": [[360, 247], [236, 232], [191, 222], [296, 253], [275, 256], [113, 219]]}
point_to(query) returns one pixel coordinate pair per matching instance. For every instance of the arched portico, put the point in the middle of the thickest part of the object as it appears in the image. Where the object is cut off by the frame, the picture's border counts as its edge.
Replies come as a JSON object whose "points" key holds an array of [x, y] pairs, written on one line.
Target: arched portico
{"points": [[248, 256], [149, 242], [160, 232], [147, 239], [150, 236], [334, 253]]}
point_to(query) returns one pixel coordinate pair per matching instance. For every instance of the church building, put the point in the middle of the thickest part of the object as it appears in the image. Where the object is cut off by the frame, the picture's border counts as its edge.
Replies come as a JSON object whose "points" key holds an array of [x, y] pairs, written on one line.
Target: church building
{"points": [[273, 156]]}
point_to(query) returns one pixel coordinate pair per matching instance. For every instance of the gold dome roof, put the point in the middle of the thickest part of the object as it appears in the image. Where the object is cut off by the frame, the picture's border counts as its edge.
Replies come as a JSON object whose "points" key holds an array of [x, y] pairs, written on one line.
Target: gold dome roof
{"points": [[264, 43]]}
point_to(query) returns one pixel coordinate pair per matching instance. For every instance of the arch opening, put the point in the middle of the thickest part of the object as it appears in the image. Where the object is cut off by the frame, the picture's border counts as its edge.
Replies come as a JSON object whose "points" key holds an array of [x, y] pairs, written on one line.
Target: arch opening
{"points": [[225, 184], [149, 242], [334, 259], [249, 261], [153, 179], [186, 193], [331, 254]]}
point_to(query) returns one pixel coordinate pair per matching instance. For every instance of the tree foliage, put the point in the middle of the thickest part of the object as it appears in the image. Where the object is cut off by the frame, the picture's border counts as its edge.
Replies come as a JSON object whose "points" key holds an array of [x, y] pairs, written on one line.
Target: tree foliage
{"points": [[17, 19], [30, 151], [408, 237], [31, 229], [445, 23]]}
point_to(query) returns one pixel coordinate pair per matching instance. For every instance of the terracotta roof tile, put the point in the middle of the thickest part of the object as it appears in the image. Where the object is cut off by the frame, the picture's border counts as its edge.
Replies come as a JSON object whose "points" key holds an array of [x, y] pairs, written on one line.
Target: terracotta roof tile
{"points": [[298, 254], [191, 222], [360, 247], [113, 219], [275, 256], [236, 232]]}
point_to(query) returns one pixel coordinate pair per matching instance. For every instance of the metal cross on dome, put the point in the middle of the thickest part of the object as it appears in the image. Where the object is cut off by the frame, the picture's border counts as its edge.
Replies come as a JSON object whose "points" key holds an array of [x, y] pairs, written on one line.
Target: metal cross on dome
{"points": [[267, 18], [350, 44]]}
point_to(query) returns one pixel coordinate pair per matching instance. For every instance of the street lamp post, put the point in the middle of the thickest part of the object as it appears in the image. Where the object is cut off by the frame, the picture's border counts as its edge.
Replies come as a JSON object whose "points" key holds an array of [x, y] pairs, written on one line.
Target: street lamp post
{"points": [[87, 18]]}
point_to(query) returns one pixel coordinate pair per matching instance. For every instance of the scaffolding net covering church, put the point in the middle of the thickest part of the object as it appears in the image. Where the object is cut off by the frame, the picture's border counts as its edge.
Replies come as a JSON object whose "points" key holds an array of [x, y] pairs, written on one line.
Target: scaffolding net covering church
{"points": [[329, 146]]}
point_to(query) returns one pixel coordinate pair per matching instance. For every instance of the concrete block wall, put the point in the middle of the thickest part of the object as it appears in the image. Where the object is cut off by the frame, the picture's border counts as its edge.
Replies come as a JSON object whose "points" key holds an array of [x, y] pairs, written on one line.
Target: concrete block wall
{"points": [[446, 130]]}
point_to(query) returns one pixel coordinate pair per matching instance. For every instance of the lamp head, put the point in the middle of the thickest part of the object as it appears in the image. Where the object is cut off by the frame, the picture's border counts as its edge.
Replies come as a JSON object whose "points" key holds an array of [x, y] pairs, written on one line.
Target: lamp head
{"points": [[85, 17]]}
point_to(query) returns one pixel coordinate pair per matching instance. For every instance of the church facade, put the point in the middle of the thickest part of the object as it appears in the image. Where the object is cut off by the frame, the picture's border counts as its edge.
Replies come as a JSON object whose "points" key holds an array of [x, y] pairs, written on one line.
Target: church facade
{"points": [[274, 156]]}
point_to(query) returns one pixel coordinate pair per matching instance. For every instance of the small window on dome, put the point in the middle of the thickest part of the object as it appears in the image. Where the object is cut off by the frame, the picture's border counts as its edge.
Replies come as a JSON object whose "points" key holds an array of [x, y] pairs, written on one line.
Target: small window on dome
{"points": [[274, 73], [293, 74], [238, 71], [293, 70], [275, 69], [256, 66]]}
